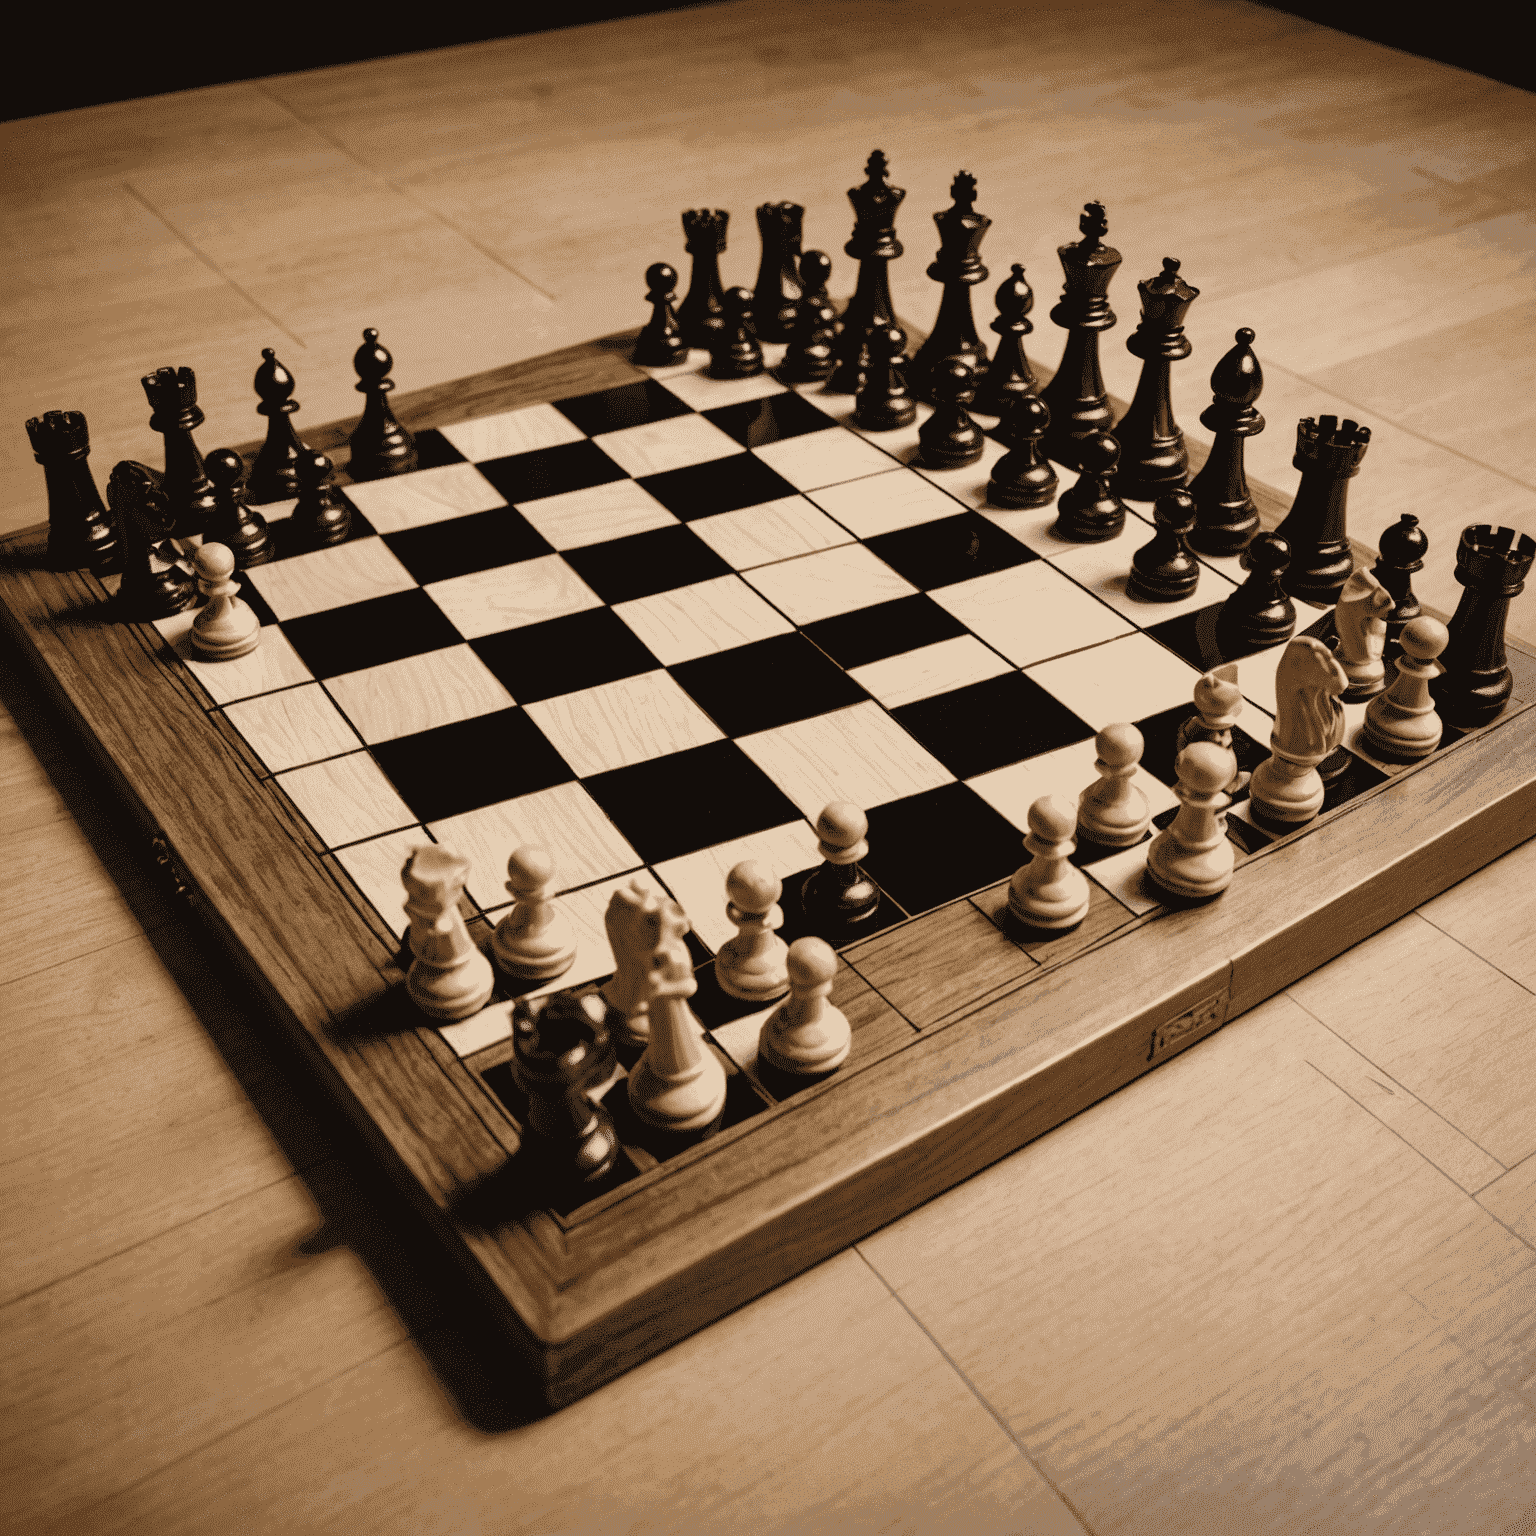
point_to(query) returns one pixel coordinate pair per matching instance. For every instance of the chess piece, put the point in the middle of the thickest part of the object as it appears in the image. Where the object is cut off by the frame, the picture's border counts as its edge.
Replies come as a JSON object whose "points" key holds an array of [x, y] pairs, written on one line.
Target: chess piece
{"points": [[777, 292], [1023, 477], [449, 978], [1402, 550], [153, 587], [1090, 512], [1401, 724], [319, 518], [1076, 396], [172, 395], [660, 343], [1163, 570], [1049, 892], [949, 438], [1259, 614], [698, 316], [839, 898], [80, 534], [1153, 458], [815, 273], [807, 1035], [809, 358], [1360, 622], [884, 400], [273, 476], [1328, 454], [751, 965], [233, 521], [1009, 375], [1192, 856], [735, 353], [1286, 787], [1113, 812], [535, 940], [227, 626], [957, 265], [679, 1084], [1218, 703], [874, 246], [632, 922], [1226, 518], [380, 445], [1475, 682]]}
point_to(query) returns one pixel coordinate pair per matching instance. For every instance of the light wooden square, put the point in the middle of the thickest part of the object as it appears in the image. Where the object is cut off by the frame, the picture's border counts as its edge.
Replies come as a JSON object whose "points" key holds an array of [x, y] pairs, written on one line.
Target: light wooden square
{"points": [[658, 446], [296, 726], [509, 432], [817, 459], [418, 693], [703, 393], [774, 530], [885, 502], [273, 664], [1030, 612], [628, 721], [594, 515], [346, 799], [330, 578], [968, 483], [931, 669], [428, 496], [509, 596], [1067, 772], [1126, 679], [831, 582], [375, 869], [1104, 569], [703, 619], [698, 879]]}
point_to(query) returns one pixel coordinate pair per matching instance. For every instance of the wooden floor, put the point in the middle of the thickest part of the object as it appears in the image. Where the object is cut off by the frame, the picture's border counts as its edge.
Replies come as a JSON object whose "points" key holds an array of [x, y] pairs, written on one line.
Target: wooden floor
{"points": [[1285, 1284]]}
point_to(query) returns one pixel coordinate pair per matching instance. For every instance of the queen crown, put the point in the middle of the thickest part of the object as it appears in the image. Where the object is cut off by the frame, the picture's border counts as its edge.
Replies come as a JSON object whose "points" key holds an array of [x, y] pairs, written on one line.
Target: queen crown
{"points": [[704, 229], [58, 434], [1331, 445], [1165, 299], [170, 390]]}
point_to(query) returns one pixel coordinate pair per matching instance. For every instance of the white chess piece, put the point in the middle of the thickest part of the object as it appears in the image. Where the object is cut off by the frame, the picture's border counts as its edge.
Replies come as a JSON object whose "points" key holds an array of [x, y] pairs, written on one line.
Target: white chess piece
{"points": [[449, 978], [1218, 703], [1112, 811], [535, 940], [807, 1034], [1049, 892], [752, 966], [1360, 621], [1401, 724], [632, 923], [1193, 856], [227, 625], [1309, 723]]}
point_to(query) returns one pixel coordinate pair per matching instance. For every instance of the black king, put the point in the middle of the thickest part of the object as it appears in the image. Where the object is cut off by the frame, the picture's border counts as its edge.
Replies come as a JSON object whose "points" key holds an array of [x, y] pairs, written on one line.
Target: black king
{"points": [[957, 265], [874, 245]]}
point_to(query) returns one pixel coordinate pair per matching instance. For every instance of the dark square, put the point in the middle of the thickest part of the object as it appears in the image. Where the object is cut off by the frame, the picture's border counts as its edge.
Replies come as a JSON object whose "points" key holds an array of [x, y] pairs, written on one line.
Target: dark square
{"points": [[458, 545], [433, 450], [257, 603], [630, 405], [930, 848], [645, 563], [690, 800], [887, 629], [989, 725], [564, 655], [950, 549], [798, 925], [769, 420], [1160, 732], [717, 485], [771, 682], [471, 763], [1356, 777], [370, 633], [551, 471]]}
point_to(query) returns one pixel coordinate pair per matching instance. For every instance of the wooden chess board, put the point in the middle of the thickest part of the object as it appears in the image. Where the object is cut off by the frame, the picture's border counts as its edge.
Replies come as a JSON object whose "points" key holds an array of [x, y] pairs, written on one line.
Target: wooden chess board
{"points": [[654, 621]]}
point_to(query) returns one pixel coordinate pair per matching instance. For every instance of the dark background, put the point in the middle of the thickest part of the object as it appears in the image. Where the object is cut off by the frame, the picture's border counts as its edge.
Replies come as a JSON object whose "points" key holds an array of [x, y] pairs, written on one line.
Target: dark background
{"points": [[63, 60]]}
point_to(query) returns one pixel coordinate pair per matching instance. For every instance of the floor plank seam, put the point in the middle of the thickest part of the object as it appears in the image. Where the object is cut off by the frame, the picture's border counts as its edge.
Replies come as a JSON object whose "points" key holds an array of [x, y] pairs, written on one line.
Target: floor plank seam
{"points": [[1530, 992]]}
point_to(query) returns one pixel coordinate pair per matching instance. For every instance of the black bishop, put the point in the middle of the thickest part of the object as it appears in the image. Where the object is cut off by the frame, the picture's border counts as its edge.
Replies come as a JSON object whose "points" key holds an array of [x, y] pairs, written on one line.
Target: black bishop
{"points": [[1225, 516]]}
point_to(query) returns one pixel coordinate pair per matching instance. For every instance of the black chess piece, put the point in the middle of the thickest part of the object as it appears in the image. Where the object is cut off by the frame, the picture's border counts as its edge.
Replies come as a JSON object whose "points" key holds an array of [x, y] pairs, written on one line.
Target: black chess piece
{"points": [[1163, 570], [874, 246], [1402, 550], [1089, 511], [815, 273], [777, 290], [1009, 374], [1023, 477], [736, 353], [885, 402], [957, 265], [660, 343], [233, 522], [810, 357], [838, 897], [1153, 458], [949, 438], [172, 395], [1225, 516], [153, 586], [1076, 396], [80, 533], [1328, 454], [1491, 566], [319, 519], [1259, 614], [272, 475], [380, 445], [698, 316]]}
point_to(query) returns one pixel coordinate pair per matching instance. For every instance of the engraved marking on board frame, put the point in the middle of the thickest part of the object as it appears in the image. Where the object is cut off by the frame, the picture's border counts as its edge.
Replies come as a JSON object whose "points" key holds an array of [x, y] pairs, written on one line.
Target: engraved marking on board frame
{"points": [[1178, 1032]]}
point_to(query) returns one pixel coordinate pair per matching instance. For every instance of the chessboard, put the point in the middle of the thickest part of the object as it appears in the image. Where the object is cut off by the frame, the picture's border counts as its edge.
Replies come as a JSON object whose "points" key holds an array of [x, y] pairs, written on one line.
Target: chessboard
{"points": [[653, 621]]}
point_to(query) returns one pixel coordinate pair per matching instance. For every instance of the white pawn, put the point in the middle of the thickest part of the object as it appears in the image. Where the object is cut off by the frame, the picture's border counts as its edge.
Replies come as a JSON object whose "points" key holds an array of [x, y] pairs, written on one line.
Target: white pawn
{"points": [[1193, 856], [1360, 621], [1218, 703], [535, 940], [227, 625], [752, 965], [1401, 724], [449, 978], [807, 1034], [679, 1084], [1112, 811], [1048, 892]]}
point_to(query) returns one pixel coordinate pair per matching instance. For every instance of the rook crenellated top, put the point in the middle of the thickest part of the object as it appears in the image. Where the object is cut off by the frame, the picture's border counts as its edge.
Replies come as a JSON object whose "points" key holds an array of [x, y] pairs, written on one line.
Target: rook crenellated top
{"points": [[1334, 446], [58, 435], [704, 230]]}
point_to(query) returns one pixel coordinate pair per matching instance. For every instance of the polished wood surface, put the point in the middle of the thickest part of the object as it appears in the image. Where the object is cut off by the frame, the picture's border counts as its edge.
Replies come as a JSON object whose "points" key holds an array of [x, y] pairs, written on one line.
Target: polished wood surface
{"points": [[1283, 1282]]}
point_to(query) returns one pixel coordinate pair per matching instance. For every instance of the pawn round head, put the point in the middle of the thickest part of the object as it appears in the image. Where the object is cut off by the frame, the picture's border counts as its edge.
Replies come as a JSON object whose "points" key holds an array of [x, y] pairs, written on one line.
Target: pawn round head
{"points": [[214, 562], [1100, 453], [841, 824], [812, 962], [1424, 638], [1120, 745], [1245, 336], [815, 269], [752, 888], [1053, 819], [1269, 553], [1175, 511], [660, 279], [1205, 767], [225, 468], [1027, 416], [737, 303], [954, 381], [313, 470], [530, 869]]}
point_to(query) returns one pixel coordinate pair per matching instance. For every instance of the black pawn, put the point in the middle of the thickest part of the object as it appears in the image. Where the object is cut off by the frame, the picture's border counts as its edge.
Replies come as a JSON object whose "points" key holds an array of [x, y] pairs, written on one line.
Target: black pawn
{"points": [[1403, 547], [1260, 613], [1009, 374], [838, 898], [949, 438], [815, 273], [1163, 570], [272, 476], [172, 395], [736, 353], [319, 519], [560, 1052], [1225, 516], [777, 290], [1023, 477], [1089, 511], [810, 357], [80, 533], [380, 445], [233, 522], [151, 588], [699, 314], [661, 341], [885, 402]]}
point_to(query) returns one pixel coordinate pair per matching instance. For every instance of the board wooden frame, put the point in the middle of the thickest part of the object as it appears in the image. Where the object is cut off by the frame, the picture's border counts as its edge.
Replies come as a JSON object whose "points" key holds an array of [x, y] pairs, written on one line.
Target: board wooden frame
{"points": [[996, 1044]]}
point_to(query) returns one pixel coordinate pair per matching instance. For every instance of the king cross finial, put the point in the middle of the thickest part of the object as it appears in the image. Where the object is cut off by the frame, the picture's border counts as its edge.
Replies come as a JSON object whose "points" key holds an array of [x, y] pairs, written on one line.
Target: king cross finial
{"points": [[963, 191], [1094, 224], [877, 167]]}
